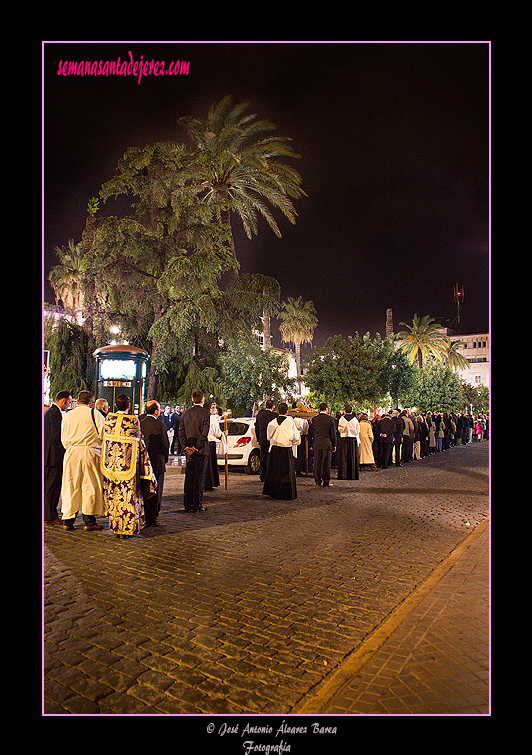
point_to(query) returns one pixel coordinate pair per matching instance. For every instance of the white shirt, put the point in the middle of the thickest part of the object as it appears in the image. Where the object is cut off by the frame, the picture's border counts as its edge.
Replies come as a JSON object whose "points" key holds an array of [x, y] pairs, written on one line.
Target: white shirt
{"points": [[215, 431], [285, 434], [349, 428], [78, 429]]}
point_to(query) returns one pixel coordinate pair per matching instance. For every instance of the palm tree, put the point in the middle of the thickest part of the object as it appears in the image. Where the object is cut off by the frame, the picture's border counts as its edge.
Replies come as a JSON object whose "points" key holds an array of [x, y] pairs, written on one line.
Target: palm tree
{"points": [[423, 340], [298, 323], [239, 167], [453, 359], [66, 277]]}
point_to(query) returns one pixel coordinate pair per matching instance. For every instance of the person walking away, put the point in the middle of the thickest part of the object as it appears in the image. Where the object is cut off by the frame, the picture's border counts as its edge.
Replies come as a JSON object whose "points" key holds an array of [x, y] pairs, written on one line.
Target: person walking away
{"points": [[193, 434], [431, 424], [53, 455], [423, 436], [374, 422], [416, 448], [81, 489], [212, 475], [262, 420], [175, 449], [408, 437], [322, 438], [284, 438], [447, 431], [302, 448], [347, 454], [366, 455], [157, 445], [385, 430], [125, 463], [440, 430], [397, 437]]}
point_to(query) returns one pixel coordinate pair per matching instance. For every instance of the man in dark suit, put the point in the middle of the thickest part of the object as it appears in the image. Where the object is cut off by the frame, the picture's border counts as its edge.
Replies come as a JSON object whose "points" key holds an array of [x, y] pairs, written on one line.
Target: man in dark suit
{"points": [[322, 438], [263, 418], [53, 455], [385, 429], [176, 419], [193, 439], [157, 445], [397, 435]]}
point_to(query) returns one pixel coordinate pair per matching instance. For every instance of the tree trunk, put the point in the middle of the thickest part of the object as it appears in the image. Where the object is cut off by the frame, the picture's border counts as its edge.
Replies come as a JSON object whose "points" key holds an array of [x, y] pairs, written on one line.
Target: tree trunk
{"points": [[226, 220], [153, 381], [298, 365], [266, 330]]}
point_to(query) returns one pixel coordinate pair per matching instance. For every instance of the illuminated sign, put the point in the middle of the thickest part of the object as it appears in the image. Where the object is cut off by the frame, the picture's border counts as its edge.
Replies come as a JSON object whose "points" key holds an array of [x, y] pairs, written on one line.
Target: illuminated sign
{"points": [[118, 369]]}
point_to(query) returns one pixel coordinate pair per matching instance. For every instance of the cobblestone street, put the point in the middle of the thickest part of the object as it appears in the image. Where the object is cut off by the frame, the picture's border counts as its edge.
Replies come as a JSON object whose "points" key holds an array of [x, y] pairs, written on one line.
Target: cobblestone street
{"points": [[258, 606]]}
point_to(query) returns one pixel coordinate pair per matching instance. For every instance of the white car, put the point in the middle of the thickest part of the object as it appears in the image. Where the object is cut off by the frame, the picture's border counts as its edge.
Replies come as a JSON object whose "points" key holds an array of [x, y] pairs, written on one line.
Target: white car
{"points": [[243, 448]]}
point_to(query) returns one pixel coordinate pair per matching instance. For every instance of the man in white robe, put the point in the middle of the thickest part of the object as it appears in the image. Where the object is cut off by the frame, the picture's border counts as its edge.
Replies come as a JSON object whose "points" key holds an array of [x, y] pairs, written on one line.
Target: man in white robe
{"points": [[81, 489]]}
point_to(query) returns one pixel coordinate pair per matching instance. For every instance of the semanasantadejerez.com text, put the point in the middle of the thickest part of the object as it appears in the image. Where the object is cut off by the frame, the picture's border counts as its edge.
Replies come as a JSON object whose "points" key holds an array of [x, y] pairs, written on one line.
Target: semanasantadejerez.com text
{"points": [[127, 67]]}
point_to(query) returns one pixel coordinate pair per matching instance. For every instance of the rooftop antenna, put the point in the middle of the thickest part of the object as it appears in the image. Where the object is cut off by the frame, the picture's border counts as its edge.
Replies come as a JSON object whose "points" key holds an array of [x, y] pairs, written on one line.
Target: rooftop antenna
{"points": [[458, 300]]}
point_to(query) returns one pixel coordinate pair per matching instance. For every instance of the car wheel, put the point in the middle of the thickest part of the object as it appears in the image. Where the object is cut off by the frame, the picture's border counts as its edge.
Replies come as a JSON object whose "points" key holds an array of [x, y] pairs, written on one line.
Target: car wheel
{"points": [[253, 465]]}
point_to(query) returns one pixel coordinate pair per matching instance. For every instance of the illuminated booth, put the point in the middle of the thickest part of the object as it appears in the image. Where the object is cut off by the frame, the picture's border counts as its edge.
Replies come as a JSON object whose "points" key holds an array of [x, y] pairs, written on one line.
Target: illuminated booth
{"points": [[121, 369]]}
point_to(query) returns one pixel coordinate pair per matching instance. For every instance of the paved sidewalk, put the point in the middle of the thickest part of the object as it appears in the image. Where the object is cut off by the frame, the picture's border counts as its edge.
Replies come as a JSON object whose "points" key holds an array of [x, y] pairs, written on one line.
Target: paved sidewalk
{"points": [[432, 656], [261, 607]]}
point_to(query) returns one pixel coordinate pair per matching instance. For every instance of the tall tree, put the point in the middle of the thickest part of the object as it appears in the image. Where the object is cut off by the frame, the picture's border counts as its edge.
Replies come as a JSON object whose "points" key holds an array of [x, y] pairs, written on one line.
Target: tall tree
{"points": [[394, 373], [436, 389], [66, 278], [346, 371], [71, 365], [452, 357], [298, 322], [242, 168], [155, 269], [249, 375], [423, 340]]}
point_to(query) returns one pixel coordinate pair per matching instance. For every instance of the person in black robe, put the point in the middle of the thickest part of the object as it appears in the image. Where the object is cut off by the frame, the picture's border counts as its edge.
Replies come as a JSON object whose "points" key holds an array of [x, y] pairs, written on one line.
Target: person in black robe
{"points": [[280, 481], [347, 454], [262, 420], [212, 474]]}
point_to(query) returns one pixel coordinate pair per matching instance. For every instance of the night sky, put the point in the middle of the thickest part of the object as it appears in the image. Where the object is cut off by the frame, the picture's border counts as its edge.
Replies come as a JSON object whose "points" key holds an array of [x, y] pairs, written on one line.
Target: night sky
{"points": [[394, 145]]}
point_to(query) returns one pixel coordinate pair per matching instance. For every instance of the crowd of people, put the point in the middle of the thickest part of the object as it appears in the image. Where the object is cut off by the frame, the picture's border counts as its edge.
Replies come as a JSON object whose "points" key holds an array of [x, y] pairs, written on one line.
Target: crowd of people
{"points": [[99, 462], [353, 442]]}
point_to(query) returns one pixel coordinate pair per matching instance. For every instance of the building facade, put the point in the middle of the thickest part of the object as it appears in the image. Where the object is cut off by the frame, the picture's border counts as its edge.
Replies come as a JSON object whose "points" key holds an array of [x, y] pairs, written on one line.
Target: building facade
{"points": [[476, 349]]}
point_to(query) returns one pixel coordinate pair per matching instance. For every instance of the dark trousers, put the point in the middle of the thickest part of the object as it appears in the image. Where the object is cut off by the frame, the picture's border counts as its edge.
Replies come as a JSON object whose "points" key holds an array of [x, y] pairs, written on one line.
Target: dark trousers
{"points": [[88, 520], [322, 466], [152, 501], [194, 481], [397, 445], [52, 492], [385, 455], [264, 457], [408, 445]]}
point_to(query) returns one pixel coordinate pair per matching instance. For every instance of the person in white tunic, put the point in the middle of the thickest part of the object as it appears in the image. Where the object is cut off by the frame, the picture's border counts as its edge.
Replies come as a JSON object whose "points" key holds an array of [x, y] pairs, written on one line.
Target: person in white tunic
{"points": [[348, 457], [365, 448], [284, 437], [212, 475], [81, 489]]}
